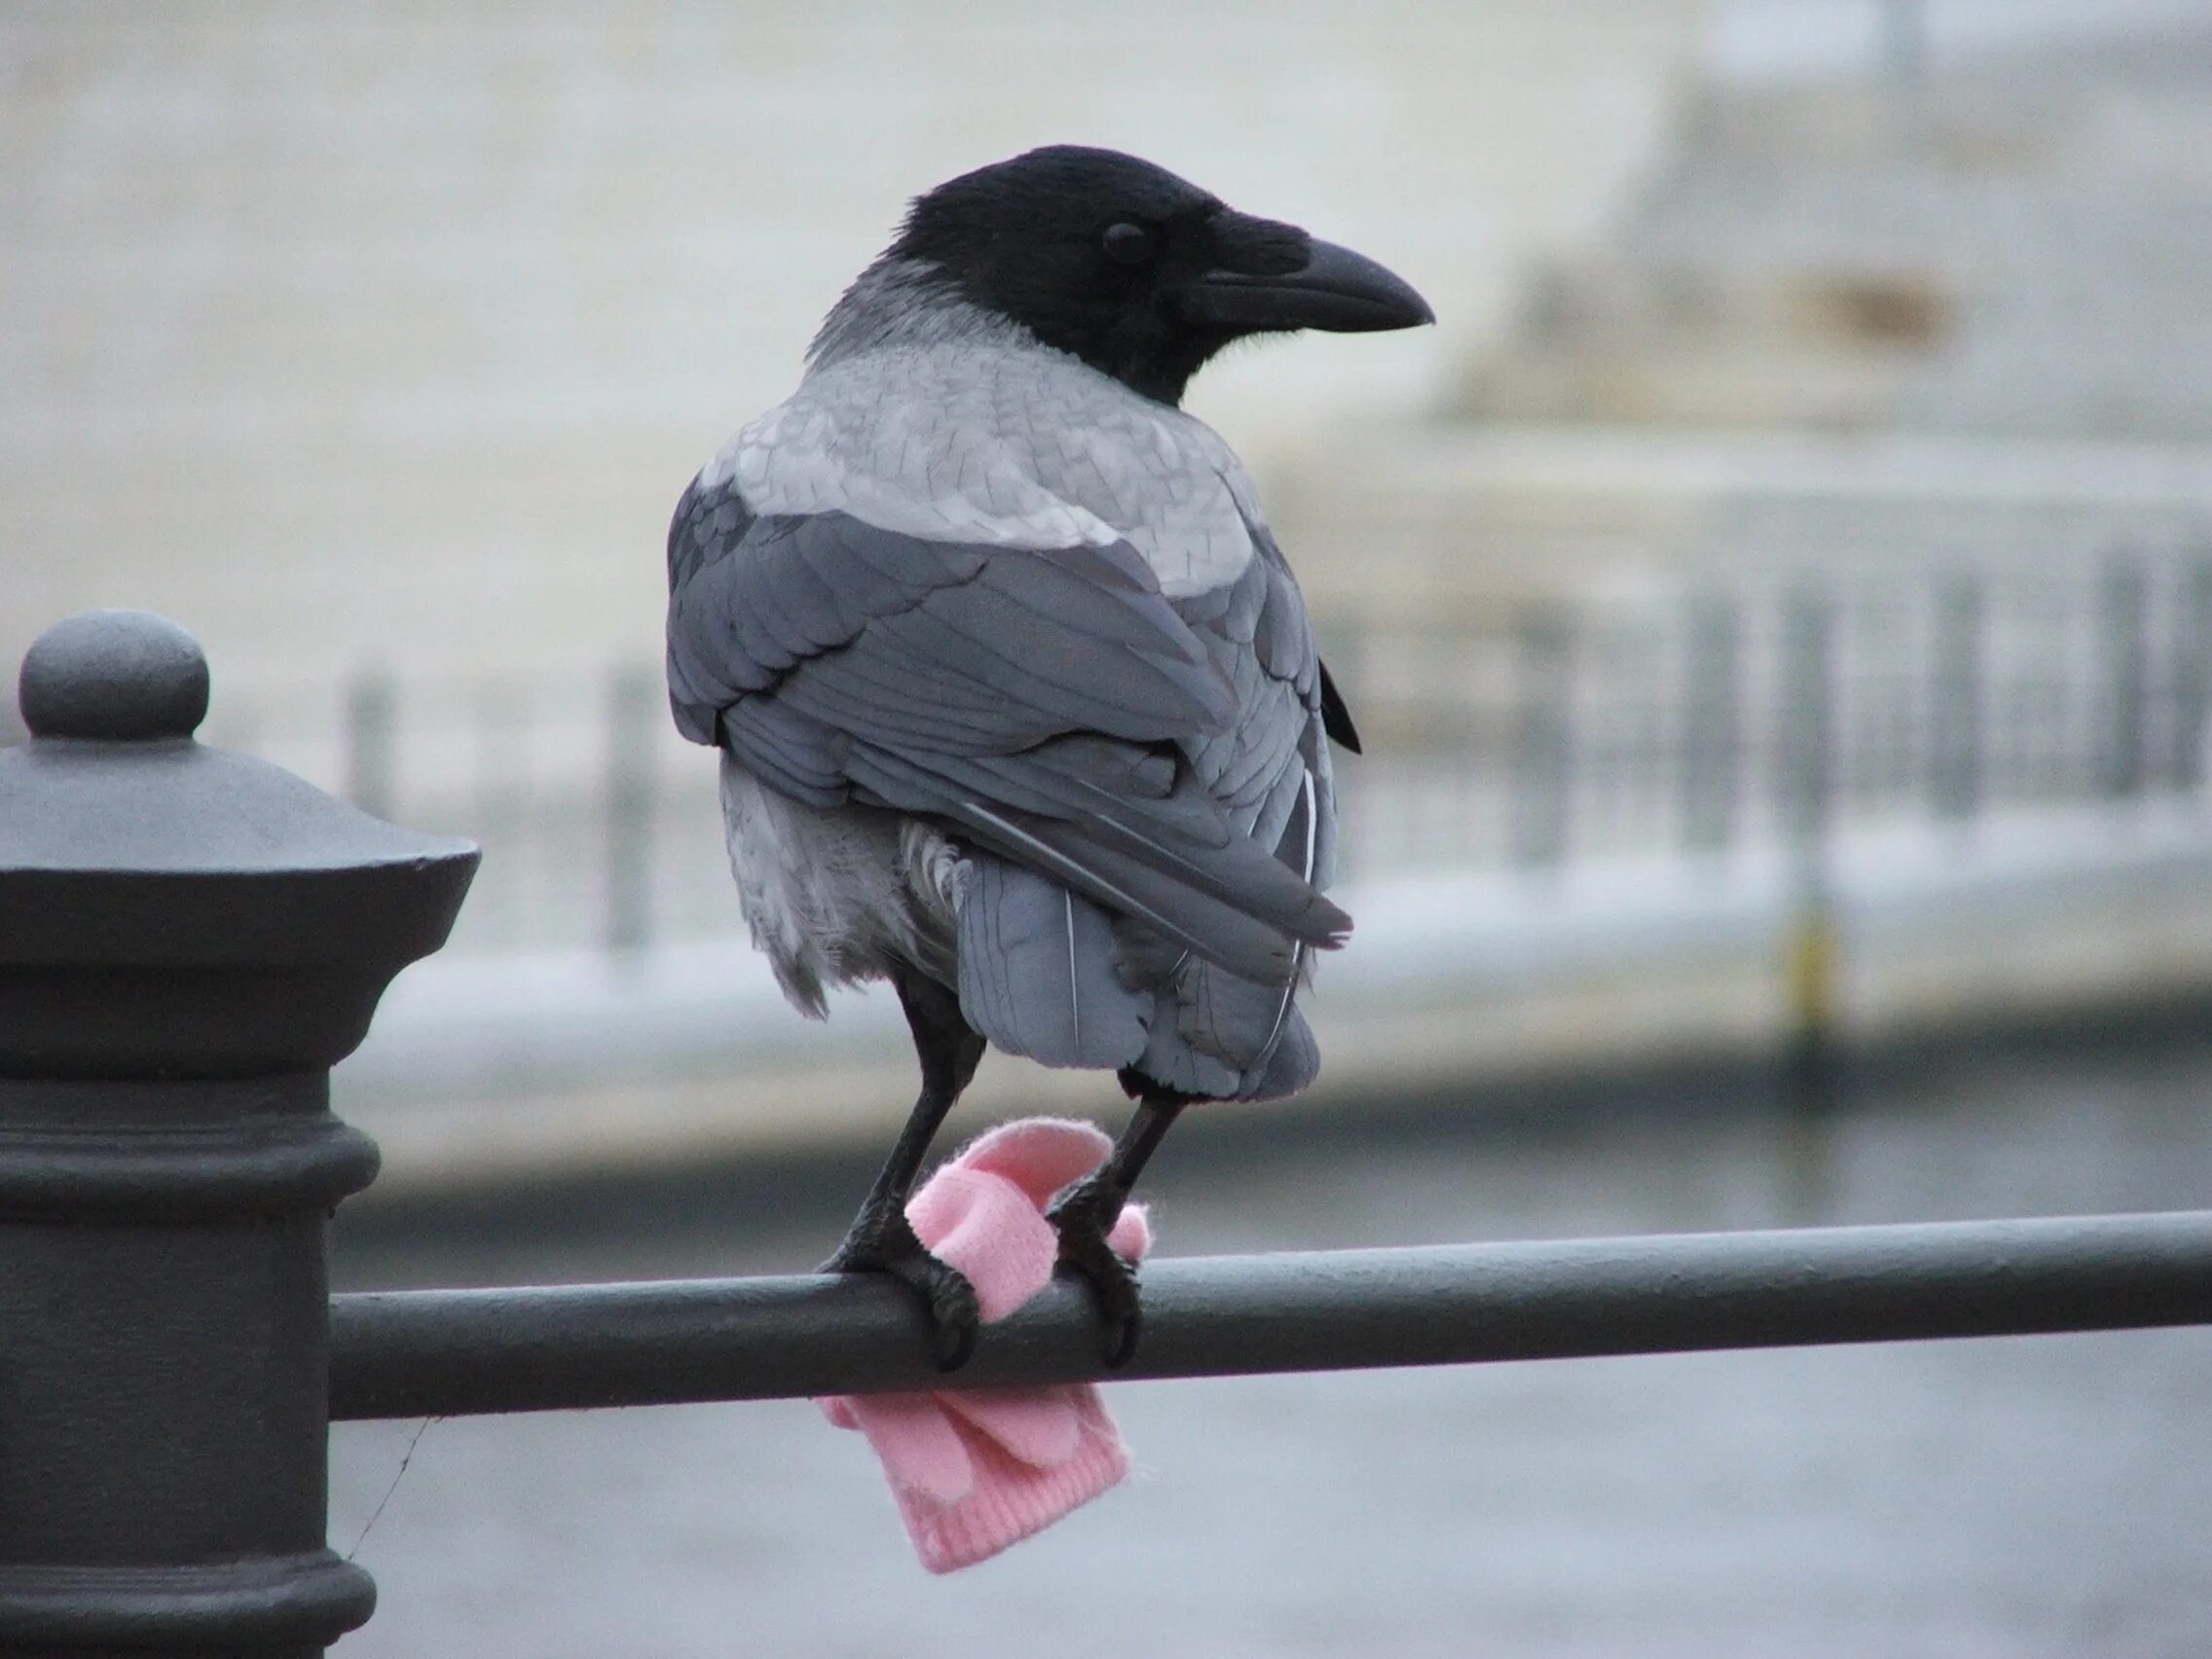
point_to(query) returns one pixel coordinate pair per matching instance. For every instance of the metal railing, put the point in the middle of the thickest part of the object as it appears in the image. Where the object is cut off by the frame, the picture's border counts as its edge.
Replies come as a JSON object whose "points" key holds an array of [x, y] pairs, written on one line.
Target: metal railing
{"points": [[448, 1352], [192, 940]]}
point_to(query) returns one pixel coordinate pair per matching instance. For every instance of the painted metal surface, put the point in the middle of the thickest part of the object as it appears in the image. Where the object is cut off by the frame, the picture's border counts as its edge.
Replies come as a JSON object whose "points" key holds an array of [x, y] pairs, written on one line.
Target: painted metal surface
{"points": [[191, 938], [448, 1352]]}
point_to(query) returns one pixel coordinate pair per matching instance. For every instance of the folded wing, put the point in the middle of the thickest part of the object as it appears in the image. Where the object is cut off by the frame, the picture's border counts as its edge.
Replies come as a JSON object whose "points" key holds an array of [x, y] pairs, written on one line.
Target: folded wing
{"points": [[1050, 706]]}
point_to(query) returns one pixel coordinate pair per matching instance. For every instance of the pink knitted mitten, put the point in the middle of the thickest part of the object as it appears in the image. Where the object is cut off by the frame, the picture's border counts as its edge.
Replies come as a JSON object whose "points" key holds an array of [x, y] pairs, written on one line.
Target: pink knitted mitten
{"points": [[976, 1470]]}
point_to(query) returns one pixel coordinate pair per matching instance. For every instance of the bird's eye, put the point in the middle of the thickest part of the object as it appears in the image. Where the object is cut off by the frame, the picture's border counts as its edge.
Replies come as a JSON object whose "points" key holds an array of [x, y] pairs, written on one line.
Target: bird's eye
{"points": [[1127, 243]]}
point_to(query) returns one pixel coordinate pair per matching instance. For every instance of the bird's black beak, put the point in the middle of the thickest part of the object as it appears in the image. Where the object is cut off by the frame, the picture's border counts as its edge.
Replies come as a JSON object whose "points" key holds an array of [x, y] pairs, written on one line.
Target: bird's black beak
{"points": [[1336, 289]]}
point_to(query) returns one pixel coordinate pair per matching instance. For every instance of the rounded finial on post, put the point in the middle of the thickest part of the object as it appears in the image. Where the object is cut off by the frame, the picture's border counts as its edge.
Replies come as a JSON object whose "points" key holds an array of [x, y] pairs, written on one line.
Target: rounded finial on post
{"points": [[114, 673], [253, 918]]}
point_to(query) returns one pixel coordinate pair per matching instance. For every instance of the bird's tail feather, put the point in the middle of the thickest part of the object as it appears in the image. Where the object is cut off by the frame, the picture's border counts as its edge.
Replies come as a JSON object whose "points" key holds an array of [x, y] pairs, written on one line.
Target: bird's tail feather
{"points": [[1037, 972], [1195, 919], [1170, 862], [1242, 873], [1047, 974], [1215, 1035]]}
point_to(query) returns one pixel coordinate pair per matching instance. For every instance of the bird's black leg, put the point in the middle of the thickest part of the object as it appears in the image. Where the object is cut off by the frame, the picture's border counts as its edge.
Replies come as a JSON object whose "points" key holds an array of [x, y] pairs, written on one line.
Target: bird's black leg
{"points": [[1086, 1213], [881, 1240]]}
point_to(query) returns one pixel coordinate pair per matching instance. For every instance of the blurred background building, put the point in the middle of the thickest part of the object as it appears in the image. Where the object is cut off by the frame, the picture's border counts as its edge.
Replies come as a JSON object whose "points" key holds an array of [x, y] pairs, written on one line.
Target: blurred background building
{"points": [[1778, 598], [439, 307]]}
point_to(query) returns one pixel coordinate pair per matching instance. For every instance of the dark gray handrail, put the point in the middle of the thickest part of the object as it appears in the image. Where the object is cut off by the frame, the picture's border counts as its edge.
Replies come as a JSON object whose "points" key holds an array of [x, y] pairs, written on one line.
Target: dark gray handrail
{"points": [[444, 1352]]}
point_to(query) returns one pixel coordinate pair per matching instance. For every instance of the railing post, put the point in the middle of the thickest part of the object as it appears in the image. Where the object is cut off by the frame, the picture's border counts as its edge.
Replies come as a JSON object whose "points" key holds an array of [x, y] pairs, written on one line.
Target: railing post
{"points": [[2190, 674], [2123, 653], [632, 724], [372, 716], [1712, 725], [1807, 805], [1544, 738], [189, 939], [1955, 736]]}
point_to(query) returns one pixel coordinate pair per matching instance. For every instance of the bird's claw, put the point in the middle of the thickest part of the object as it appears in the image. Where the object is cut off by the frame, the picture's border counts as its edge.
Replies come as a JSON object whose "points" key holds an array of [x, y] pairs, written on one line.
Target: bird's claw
{"points": [[886, 1244], [1084, 1254]]}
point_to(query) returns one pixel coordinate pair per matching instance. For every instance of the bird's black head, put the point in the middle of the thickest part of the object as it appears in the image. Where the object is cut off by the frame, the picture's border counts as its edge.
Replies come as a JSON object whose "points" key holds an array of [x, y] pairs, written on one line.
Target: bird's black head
{"points": [[1140, 273]]}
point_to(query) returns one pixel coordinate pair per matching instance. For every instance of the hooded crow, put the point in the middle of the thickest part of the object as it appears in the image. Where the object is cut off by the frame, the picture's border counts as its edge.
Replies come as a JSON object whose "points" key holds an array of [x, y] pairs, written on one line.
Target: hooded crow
{"points": [[1018, 702]]}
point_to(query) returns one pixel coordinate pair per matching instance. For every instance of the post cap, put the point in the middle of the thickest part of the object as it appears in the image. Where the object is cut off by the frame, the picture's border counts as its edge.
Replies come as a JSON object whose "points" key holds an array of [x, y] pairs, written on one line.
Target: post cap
{"points": [[173, 909], [114, 673]]}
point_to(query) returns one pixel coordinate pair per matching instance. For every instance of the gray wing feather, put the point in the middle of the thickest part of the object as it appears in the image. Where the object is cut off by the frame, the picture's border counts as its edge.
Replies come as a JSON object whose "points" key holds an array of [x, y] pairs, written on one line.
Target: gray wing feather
{"points": [[1037, 972], [1214, 1031], [787, 751], [992, 682]]}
